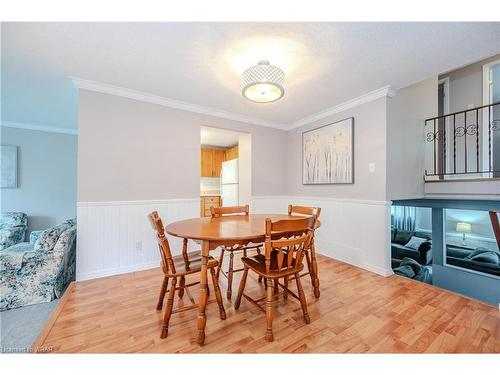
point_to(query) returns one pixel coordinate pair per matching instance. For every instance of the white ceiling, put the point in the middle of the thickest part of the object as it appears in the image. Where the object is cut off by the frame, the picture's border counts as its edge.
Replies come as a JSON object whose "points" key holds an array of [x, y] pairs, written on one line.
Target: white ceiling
{"points": [[201, 63], [218, 137]]}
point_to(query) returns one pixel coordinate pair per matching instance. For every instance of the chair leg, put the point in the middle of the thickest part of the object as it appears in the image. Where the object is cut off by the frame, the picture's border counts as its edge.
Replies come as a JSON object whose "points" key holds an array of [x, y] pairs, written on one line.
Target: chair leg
{"points": [[168, 309], [276, 286], [285, 291], [221, 259], [241, 289], [218, 295], [163, 290], [182, 285], [302, 297], [245, 253], [269, 313], [314, 271], [230, 275]]}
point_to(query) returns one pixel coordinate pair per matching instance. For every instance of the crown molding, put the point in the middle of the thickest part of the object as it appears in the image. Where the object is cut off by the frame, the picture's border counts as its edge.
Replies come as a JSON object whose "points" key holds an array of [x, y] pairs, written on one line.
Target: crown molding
{"points": [[104, 88], [41, 128], [170, 103], [386, 91]]}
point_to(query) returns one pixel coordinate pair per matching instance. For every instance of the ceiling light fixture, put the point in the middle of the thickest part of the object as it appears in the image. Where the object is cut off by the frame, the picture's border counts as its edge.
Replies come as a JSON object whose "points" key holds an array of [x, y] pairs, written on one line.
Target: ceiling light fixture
{"points": [[263, 83]]}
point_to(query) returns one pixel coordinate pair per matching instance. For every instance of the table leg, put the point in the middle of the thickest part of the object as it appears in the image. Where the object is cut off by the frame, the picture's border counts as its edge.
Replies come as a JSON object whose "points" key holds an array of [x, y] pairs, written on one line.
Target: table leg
{"points": [[202, 302]]}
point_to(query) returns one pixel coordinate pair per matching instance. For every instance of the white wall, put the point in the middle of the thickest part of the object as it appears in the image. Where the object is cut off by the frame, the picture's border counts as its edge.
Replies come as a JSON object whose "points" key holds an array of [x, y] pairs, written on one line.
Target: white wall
{"points": [[352, 230], [369, 147], [131, 150], [406, 114], [161, 149], [46, 176], [245, 168], [135, 157], [355, 218]]}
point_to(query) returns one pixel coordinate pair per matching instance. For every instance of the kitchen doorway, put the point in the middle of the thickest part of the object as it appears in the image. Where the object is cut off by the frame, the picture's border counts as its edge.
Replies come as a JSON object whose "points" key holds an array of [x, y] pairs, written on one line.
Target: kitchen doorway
{"points": [[225, 168]]}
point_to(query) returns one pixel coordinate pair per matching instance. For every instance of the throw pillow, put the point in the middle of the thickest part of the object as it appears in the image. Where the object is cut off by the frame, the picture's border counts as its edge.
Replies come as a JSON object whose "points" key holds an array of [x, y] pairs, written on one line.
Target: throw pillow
{"points": [[49, 237], [406, 271], [402, 236], [415, 242]]}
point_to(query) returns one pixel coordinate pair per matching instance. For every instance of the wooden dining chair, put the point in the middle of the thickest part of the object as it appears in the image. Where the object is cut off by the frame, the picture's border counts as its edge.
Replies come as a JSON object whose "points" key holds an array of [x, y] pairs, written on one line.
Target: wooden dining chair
{"points": [[227, 211], [312, 264], [286, 244], [177, 268]]}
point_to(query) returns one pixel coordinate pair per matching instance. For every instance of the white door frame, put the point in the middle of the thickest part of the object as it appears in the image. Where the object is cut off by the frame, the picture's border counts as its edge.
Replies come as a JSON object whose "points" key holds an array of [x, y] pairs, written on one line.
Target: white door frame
{"points": [[486, 100]]}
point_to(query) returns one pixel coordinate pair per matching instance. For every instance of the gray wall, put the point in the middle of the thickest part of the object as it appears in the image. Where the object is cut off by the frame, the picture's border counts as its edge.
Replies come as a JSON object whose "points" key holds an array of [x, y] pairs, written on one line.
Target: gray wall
{"points": [[131, 150], [369, 147], [466, 85], [406, 114], [46, 176]]}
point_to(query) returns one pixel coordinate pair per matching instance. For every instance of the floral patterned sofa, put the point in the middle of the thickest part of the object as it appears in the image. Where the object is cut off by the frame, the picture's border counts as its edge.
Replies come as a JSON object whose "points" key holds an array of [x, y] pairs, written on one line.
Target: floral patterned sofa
{"points": [[39, 270], [13, 227]]}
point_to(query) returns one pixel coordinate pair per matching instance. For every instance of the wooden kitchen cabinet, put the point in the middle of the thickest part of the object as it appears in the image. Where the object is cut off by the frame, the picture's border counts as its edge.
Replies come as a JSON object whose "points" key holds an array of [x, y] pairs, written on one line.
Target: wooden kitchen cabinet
{"points": [[219, 158], [208, 201], [211, 161], [232, 153]]}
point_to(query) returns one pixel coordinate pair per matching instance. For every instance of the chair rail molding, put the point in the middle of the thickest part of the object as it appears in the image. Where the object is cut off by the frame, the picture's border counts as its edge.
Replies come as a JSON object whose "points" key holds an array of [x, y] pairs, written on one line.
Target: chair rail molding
{"points": [[342, 221], [116, 237]]}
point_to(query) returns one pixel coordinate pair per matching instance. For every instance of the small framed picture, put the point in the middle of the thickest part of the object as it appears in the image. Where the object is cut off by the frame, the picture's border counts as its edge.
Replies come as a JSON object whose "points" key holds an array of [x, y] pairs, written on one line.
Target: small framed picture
{"points": [[8, 166]]}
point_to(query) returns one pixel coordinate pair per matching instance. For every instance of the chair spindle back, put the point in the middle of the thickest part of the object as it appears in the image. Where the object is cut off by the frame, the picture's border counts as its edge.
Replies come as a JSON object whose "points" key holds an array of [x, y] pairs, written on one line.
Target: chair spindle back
{"points": [[288, 239], [163, 245]]}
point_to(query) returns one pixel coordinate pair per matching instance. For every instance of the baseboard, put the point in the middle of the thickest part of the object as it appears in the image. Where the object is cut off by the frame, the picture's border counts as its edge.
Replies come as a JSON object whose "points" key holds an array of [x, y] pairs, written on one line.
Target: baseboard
{"points": [[321, 247], [117, 271]]}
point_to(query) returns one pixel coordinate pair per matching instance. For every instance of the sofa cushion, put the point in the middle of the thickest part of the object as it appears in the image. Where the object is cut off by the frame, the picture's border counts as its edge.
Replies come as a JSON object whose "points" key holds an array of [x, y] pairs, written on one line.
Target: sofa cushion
{"points": [[65, 239], [13, 219], [35, 235], [484, 255], [12, 259], [49, 237], [415, 242], [421, 234], [416, 267], [402, 236]]}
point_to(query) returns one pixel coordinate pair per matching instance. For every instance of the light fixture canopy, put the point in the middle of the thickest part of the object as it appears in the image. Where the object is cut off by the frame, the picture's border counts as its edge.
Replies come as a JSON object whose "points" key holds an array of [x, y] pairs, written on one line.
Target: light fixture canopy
{"points": [[263, 83]]}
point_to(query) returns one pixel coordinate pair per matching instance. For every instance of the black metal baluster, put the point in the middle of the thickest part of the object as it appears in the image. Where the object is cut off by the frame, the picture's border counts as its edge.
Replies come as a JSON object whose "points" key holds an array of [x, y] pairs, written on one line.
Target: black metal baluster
{"points": [[454, 146], [444, 146], [477, 140], [434, 141], [465, 139], [489, 139]]}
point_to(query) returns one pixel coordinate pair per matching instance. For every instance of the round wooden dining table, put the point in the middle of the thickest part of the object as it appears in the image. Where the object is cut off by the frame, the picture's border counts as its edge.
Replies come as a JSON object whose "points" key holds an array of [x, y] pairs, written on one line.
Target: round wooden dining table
{"points": [[220, 231]]}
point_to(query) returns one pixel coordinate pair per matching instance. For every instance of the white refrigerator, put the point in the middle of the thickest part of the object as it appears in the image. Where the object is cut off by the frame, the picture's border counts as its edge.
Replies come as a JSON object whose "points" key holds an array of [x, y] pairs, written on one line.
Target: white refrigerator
{"points": [[229, 183]]}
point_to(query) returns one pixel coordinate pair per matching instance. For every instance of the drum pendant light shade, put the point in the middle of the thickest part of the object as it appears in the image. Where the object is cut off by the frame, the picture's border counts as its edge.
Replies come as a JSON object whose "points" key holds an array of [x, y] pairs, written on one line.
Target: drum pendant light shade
{"points": [[263, 83]]}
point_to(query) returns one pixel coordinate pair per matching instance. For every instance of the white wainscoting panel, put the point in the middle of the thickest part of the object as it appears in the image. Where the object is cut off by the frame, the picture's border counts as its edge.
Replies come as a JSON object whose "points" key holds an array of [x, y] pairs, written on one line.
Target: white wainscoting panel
{"points": [[116, 237], [353, 231]]}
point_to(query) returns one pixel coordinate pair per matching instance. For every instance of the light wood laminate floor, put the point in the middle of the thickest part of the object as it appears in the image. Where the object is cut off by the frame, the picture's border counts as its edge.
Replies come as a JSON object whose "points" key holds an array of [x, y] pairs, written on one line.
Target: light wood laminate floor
{"points": [[358, 312]]}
